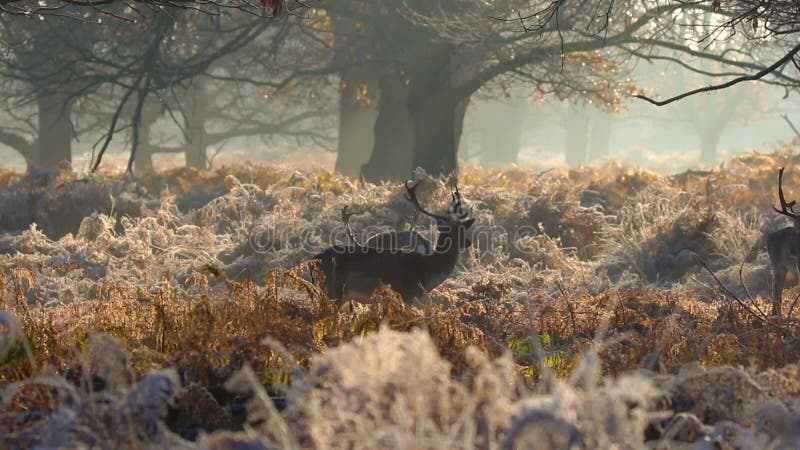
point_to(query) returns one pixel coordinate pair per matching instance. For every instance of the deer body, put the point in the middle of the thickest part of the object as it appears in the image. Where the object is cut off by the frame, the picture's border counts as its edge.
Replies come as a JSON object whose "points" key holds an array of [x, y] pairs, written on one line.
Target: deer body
{"points": [[355, 271], [407, 241], [782, 250], [783, 247]]}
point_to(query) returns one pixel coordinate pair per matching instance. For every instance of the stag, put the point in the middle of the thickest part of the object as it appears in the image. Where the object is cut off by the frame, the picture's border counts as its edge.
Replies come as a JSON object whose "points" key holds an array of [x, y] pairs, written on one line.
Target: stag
{"points": [[355, 271], [782, 247]]}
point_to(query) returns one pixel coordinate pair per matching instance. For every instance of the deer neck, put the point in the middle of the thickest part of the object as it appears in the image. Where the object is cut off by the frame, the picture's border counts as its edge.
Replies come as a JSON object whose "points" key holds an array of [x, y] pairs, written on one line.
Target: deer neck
{"points": [[446, 253], [439, 265]]}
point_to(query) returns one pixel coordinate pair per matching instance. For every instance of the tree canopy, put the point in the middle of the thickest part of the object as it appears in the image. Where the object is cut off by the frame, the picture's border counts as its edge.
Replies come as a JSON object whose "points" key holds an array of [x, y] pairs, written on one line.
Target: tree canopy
{"points": [[402, 73], [130, 10]]}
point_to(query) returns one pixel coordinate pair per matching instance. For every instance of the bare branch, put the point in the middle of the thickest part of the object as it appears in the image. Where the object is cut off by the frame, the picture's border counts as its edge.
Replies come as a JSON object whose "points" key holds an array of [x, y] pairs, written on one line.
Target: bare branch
{"points": [[756, 76]]}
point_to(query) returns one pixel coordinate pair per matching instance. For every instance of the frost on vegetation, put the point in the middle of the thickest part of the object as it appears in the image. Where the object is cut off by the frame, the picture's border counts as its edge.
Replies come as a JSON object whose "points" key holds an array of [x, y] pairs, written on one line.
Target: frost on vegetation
{"points": [[563, 252], [662, 235], [10, 333], [601, 222], [393, 390], [106, 406], [57, 203]]}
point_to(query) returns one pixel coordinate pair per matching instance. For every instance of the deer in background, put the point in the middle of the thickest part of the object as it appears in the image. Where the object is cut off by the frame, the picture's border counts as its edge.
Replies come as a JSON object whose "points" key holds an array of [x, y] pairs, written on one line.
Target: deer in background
{"points": [[783, 247], [355, 271]]}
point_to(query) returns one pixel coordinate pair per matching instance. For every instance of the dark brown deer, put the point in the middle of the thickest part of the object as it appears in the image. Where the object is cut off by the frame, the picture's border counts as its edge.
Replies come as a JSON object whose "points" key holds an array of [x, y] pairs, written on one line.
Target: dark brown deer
{"points": [[783, 247], [355, 271]]}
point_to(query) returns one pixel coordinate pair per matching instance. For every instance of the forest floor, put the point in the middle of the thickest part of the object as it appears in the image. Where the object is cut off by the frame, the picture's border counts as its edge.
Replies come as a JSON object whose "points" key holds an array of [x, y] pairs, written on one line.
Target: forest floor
{"points": [[176, 311]]}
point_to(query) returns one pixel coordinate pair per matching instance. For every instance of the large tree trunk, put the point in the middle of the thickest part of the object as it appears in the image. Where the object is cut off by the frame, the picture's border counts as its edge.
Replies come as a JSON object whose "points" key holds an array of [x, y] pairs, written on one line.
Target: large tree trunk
{"points": [[357, 115], [423, 116], [55, 131], [436, 113], [394, 136], [195, 124], [461, 112], [435, 135], [143, 160]]}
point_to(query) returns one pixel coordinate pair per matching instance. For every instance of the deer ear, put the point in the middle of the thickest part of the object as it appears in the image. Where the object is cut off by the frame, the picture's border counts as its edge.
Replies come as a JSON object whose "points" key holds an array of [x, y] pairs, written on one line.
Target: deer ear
{"points": [[468, 223]]}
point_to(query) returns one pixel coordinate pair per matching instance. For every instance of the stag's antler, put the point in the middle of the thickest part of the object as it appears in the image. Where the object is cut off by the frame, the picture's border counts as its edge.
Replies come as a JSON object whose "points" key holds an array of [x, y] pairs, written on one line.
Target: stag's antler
{"points": [[457, 205], [346, 219], [411, 195], [787, 209]]}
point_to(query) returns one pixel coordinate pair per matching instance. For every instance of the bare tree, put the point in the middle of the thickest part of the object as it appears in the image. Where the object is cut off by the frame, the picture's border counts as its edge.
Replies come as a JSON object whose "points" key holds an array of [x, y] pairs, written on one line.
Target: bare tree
{"points": [[62, 61], [435, 55], [753, 40], [131, 11]]}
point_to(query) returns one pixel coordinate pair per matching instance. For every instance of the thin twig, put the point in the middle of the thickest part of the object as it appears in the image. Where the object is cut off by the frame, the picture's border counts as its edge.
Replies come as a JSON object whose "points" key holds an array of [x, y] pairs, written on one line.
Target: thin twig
{"points": [[727, 291], [570, 308], [747, 291], [794, 303], [786, 118]]}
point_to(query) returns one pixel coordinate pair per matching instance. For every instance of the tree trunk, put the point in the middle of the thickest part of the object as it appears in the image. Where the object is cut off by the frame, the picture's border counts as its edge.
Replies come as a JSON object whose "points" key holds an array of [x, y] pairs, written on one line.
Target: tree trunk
{"points": [[424, 112], [196, 152], [357, 115], [577, 128], [437, 114], [461, 112], [55, 131], [195, 123], [435, 135], [391, 153], [143, 160]]}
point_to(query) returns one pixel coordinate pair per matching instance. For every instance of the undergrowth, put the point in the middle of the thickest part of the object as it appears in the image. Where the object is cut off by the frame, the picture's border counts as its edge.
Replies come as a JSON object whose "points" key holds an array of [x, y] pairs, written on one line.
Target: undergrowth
{"points": [[177, 310]]}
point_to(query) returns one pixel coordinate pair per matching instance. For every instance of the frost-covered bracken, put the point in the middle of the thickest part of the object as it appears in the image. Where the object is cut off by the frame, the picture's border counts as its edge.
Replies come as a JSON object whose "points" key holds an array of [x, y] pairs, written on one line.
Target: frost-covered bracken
{"points": [[581, 316]]}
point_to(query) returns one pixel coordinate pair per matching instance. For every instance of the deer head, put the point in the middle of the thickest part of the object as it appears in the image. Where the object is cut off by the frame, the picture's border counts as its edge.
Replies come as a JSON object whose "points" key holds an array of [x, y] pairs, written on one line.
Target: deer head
{"points": [[452, 229]]}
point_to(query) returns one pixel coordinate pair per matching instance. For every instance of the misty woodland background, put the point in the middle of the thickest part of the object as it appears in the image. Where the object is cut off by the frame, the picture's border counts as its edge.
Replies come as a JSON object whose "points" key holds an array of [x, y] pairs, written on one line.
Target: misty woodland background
{"points": [[164, 161]]}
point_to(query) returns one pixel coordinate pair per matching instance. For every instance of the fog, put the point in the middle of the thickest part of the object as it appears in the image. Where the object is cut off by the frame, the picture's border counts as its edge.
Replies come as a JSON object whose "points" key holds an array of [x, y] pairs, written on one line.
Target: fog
{"points": [[665, 139], [535, 133], [267, 224], [329, 90]]}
